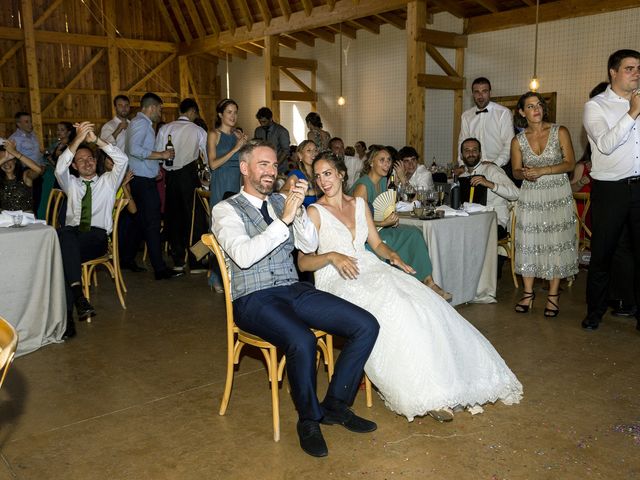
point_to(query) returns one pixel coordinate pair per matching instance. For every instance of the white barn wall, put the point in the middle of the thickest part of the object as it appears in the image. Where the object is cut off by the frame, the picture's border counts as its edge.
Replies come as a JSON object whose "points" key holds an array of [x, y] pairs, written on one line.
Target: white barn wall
{"points": [[571, 60]]}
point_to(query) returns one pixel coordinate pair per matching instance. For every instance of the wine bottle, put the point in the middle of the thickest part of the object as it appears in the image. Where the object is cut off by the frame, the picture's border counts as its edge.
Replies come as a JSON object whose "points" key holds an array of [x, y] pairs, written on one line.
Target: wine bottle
{"points": [[392, 183], [455, 193], [169, 146], [434, 165]]}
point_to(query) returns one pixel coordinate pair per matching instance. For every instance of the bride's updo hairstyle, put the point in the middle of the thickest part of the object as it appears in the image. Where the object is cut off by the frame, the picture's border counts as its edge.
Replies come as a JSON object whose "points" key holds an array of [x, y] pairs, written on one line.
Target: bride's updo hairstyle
{"points": [[336, 162]]}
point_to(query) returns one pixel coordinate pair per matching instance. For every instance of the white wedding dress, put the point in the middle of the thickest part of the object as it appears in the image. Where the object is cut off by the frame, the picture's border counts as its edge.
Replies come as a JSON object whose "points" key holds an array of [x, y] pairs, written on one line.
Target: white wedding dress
{"points": [[427, 356]]}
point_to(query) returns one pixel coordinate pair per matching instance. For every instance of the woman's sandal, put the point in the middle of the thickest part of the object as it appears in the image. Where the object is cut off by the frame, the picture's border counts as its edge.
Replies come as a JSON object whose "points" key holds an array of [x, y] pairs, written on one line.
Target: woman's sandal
{"points": [[531, 296], [552, 312]]}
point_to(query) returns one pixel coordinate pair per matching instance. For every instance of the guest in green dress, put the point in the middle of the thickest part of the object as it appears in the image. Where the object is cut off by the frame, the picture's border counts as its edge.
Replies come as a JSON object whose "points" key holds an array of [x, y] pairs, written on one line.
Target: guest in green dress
{"points": [[65, 133], [404, 239]]}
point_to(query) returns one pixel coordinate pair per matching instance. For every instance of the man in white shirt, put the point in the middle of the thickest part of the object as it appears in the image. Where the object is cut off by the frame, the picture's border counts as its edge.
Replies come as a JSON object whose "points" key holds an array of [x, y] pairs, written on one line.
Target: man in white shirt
{"points": [[257, 231], [611, 120], [189, 142], [353, 164], [409, 171], [114, 131], [89, 219], [489, 122]]}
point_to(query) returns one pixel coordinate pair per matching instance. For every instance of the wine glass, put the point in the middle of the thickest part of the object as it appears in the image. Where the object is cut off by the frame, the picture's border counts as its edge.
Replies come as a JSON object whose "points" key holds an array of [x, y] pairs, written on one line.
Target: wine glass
{"points": [[431, 197], [440, 192], [17, 220], [409, 192]]}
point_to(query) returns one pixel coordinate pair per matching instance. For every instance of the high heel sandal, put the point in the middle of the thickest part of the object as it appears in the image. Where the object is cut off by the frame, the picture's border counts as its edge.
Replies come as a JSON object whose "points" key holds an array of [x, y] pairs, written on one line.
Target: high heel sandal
{"points": [[531, 296], [550, 312]]}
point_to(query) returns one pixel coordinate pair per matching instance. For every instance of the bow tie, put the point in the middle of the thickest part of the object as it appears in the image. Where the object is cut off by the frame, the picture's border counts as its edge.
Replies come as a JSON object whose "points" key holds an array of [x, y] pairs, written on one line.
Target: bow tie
{"points": [[482, 111]]}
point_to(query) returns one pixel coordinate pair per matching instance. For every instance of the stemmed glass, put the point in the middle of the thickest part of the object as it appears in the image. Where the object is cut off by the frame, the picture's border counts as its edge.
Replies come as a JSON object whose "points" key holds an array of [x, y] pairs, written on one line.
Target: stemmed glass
{"points": [[409, 192], [431, 197]]}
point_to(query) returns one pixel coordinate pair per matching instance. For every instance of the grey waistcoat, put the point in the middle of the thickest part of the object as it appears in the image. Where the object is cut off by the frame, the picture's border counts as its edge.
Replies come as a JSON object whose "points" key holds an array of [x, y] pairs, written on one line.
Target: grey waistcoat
{"points": [[275, 269]]}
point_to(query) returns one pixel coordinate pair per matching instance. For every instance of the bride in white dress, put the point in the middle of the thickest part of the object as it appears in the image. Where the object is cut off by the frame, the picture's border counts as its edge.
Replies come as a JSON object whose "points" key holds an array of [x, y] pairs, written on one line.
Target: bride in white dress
{"points": [[427, 357]]}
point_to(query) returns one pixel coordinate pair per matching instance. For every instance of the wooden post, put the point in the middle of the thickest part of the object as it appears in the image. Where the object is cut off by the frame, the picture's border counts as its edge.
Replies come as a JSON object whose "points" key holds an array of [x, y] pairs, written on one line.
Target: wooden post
{"points": [[458, 96], [112, 52], [271, 75], [32, 68], [183, 67], [416, 64]]}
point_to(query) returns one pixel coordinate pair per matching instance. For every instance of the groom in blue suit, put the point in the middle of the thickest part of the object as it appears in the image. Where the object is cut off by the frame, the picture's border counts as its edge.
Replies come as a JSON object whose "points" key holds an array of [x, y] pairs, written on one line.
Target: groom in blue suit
{"points": [[258, 231]]}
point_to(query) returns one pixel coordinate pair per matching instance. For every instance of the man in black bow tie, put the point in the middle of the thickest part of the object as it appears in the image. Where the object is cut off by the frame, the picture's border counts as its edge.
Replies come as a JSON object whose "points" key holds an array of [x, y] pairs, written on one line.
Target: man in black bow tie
{"points": [[489, 122]]}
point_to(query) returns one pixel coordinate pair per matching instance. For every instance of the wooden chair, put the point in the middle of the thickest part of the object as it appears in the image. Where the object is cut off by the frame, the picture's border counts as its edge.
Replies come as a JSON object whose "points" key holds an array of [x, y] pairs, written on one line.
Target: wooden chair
{"points": [[200, 197], [237, 339], [508, 243], [8, 345], [584, 232], [111, 260], [54, 203]]}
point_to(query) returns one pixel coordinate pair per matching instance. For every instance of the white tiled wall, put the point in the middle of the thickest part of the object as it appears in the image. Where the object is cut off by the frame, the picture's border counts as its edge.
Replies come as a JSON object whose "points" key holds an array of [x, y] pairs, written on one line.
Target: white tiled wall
{"points": [[572, 58]]}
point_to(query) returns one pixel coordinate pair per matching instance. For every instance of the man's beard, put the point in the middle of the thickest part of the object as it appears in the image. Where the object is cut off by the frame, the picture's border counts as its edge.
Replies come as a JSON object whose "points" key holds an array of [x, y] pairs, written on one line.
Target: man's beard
{"points": [[261, 188], [467, 162]]}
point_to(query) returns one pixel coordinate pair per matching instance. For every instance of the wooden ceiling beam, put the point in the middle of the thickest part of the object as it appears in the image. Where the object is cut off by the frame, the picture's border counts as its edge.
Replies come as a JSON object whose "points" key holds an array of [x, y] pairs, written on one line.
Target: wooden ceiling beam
{"points": [[265, 11], [441, 61], [552, 11], [154, 71], [182, 23], [491, 5], [439, 38], [323, 34], [308, 7], [531, 3], [286, 9], [236, 52], [195, 18], [48, 36], [294, 78], [251, 48], [303, 37], [295, 63], [441, 82], [450, 6], [166, 18], [393, 19], [228, 16], [287, 42], [286, 96], [322, 16], [211, 17], [347, 31], [369, 25], [246, 13], [331, 4]]}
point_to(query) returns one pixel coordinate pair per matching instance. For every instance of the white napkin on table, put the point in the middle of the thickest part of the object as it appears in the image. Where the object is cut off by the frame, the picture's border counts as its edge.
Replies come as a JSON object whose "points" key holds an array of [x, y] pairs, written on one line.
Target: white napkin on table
{"points": [[475, 207], [450, 212], [402, 207], [6, 218]]}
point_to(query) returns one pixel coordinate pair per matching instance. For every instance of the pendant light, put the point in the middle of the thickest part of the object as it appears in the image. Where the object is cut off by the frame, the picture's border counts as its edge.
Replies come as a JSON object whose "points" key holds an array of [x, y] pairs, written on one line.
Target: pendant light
{"points": [[341, 99], [534, 84]]}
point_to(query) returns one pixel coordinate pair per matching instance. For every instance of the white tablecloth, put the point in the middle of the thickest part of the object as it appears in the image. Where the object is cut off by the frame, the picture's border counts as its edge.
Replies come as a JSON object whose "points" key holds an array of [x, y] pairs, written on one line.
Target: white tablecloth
{"points": [[463, 251], [32, 296]]}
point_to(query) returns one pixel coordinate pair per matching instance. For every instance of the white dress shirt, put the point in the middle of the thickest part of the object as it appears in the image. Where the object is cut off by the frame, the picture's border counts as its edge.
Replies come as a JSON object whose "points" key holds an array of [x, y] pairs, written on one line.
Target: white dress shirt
{"points": [[422, 177], [103, 189], [614, 137], [494, 130], [354, 167], [504, 191], [244, 250], [189, 141], [107, 132]]}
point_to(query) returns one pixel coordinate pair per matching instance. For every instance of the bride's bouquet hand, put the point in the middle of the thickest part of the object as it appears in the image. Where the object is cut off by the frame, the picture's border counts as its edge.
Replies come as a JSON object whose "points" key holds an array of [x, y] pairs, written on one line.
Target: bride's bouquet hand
{"points": [[346, 266], [396, 261]]}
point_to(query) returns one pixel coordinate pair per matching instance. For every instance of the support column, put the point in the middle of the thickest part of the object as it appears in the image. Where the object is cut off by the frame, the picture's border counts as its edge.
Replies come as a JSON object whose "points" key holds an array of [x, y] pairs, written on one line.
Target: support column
{"points": [[183, 68], [32, 68], [112, 52], [271, 74], [458, 96], [416, 64]]}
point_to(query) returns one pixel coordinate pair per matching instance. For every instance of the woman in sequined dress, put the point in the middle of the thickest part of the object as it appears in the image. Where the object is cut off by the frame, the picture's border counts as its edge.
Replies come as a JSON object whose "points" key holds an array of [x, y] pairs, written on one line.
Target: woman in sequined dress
{"points": [[15, 180], [545, 237]]}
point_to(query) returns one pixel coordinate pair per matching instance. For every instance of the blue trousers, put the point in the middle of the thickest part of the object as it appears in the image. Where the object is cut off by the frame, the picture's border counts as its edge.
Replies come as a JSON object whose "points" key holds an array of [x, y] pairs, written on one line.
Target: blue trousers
{"points": [[284, 315]]}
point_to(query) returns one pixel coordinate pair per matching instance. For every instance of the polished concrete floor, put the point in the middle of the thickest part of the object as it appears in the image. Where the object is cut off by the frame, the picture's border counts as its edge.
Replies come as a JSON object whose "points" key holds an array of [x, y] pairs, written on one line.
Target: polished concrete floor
{"points": [[136, 395]]}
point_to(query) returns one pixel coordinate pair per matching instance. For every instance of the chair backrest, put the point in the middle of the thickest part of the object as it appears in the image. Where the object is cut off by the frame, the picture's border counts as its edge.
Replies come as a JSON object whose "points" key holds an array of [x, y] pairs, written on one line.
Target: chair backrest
{"points": [[54, 204], [211, 242], [8, 345], [204, 195]]}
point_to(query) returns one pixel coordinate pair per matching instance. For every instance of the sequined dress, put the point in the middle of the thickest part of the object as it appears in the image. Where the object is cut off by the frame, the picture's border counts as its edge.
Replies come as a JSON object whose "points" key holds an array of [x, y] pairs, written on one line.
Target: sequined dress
{"points": [[546, 245], [15, 195]]}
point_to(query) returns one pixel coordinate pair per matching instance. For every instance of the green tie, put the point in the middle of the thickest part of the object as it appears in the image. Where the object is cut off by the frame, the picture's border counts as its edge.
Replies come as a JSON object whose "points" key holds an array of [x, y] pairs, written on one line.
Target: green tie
{"points": [[85, 212]]}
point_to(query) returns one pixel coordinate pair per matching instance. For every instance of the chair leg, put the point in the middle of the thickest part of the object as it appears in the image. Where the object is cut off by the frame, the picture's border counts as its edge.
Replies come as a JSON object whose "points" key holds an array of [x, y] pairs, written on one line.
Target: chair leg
{"points": [[274, 395], [330, 364], [117, 281], [367, 391], [229, 381]]}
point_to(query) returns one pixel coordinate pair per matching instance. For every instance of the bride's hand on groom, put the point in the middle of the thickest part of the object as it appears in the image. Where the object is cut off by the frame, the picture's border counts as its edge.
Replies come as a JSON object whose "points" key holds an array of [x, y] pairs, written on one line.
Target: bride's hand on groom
{"points": [[294, 200], [396, 261], [346, 266]]}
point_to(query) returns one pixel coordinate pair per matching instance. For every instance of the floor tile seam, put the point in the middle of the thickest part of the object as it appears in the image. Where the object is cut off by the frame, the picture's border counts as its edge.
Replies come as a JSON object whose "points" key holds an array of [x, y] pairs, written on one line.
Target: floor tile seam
{"points": [[137, 405]]}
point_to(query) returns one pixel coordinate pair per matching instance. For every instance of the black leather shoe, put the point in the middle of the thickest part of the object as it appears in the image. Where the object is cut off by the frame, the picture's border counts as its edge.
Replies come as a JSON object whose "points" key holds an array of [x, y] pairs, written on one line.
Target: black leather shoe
{"points": [[590, 323], [168, 273], [133, 267], [311, 439], [84, 308], [624, 311], [348, 420], [70, 331]]}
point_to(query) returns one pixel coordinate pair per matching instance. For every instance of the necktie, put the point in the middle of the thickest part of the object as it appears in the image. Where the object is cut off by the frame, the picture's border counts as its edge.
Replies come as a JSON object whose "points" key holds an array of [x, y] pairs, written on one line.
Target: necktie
{"points": [[265, 213], [482, 111], [85, 210]]}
